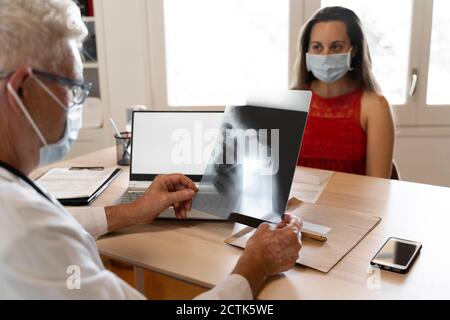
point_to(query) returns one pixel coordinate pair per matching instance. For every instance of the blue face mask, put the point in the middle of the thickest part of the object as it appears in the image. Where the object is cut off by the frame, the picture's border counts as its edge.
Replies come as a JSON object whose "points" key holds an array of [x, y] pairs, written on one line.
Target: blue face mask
{"points": [[329, 68], [50, 153]]}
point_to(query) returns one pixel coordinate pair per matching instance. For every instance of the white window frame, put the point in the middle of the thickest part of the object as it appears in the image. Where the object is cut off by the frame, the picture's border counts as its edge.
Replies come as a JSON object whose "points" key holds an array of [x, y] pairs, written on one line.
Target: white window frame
{"points": [[415, 112]]}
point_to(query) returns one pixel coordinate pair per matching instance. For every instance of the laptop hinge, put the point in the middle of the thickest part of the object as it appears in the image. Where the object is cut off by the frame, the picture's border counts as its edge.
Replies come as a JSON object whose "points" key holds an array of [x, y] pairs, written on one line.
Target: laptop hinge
{"points": [[139, 184]]}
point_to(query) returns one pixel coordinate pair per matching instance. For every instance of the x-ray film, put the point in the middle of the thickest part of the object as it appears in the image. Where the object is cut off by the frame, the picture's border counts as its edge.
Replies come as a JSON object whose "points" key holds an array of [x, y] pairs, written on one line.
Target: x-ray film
{"points": [[250, 171]]}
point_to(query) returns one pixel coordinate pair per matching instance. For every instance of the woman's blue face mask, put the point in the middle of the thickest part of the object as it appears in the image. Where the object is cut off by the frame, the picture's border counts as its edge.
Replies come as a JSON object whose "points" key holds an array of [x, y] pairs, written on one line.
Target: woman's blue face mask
{"points": [[329, 68]]}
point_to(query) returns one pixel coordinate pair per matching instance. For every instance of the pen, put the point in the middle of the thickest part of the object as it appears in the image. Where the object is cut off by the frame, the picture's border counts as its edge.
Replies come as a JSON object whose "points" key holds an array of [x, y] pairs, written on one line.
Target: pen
{"points": [[306, 233], [115, 128], [314, 236], [88, 168]]}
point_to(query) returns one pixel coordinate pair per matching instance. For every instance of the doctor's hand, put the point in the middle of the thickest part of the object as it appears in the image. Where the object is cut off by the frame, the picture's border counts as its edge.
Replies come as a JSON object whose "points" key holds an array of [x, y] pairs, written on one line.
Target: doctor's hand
{"points": [[270, 251], [169, 190]]}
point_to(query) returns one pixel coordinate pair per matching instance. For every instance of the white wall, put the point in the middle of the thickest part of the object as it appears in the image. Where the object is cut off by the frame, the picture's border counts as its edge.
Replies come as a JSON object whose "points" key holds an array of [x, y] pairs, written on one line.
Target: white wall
{"points": [[126, 55], [424, 159]]}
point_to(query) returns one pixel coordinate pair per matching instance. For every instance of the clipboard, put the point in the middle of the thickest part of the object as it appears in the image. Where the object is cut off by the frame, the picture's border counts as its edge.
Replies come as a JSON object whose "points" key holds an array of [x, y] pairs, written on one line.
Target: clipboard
{"points": [[348, 229], [65, 183]]}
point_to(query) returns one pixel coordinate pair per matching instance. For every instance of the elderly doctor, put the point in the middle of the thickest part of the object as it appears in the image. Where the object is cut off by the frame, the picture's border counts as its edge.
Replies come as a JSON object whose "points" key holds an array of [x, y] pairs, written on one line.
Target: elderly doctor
{"points": [[41, 93]]}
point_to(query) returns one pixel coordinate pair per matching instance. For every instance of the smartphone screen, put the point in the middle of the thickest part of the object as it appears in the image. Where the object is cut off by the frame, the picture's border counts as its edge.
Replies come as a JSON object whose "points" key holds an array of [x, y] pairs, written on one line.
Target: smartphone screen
{"points": [[397, 252]]}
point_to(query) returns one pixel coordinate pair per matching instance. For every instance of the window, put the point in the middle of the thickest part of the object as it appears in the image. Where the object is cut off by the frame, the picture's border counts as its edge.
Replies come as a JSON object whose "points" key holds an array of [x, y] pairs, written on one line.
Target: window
{"points": [[213, 52], [388, 34], [439, 70], [219, 50]]}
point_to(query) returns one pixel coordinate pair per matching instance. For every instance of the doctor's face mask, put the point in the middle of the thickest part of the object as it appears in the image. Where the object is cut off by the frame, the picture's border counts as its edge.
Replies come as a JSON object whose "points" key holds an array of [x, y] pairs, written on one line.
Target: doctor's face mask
{"points": [[50, 153]]}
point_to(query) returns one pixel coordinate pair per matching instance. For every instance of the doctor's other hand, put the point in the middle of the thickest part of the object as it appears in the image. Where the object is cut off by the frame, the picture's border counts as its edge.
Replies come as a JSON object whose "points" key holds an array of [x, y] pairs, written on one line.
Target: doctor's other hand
{"points": [[270, 251]]}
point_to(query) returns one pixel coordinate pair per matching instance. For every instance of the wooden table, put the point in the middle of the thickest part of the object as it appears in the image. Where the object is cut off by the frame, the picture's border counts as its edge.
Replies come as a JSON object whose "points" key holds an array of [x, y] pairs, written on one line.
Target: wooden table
{"points": [[195, 251]]}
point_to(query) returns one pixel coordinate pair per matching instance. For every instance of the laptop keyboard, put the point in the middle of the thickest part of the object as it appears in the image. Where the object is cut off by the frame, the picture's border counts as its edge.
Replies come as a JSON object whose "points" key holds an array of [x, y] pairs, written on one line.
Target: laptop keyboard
{"points": [[204, 200], [215, 201], [131, 196]]}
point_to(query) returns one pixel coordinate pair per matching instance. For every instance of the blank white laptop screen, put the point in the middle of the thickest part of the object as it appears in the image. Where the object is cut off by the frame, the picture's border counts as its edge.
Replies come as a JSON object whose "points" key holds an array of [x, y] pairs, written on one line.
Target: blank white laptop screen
{"points": [[172, 142]]}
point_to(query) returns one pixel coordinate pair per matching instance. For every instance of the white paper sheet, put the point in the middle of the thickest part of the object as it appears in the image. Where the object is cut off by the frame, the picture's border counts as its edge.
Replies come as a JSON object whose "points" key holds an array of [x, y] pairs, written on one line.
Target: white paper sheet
{"points": [[316, 177], [64, 183], [308, 193]]}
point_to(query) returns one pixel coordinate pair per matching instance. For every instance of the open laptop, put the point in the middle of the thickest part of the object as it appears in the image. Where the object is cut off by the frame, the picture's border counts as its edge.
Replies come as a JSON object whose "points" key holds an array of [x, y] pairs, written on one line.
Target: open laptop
{"points": [[166, 142]]}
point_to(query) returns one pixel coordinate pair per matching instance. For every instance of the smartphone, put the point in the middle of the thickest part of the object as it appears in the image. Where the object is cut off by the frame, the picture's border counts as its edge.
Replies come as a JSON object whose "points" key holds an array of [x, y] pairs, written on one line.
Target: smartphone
{"points": [[397, 255]]}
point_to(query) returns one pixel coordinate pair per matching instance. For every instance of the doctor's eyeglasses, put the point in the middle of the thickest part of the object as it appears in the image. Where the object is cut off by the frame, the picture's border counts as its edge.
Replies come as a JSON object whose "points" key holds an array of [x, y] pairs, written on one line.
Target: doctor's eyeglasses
{"points": [[80, 89]]}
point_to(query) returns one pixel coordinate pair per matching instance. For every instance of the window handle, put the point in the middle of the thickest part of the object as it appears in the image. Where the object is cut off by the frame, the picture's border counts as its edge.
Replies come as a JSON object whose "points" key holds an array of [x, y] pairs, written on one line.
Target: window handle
{"points": [[414, 81]]}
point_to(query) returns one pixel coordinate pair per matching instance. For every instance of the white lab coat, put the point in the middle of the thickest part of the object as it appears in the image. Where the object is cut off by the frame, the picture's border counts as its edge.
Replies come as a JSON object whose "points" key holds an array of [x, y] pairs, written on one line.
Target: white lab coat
{"points": [[43, 249]]}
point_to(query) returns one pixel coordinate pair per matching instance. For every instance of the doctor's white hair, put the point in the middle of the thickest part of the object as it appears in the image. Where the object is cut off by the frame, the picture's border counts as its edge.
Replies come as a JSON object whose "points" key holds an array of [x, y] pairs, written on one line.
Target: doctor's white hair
{"points": [[36, 33]]}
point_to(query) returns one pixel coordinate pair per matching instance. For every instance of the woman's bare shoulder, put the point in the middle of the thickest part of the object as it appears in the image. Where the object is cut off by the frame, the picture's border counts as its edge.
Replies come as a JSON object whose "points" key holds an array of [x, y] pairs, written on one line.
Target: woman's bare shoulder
{"points": [[374, 100], [374, 106]]}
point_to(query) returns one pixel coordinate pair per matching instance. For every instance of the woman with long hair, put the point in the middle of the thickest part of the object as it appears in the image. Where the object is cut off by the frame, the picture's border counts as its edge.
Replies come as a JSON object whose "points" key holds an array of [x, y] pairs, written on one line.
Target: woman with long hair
{"points": [[350, 126]]}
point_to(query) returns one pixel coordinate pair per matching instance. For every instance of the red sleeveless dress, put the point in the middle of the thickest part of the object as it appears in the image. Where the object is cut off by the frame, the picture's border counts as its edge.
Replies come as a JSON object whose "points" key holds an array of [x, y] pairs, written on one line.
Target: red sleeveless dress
{"points": [[333, 137]]}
